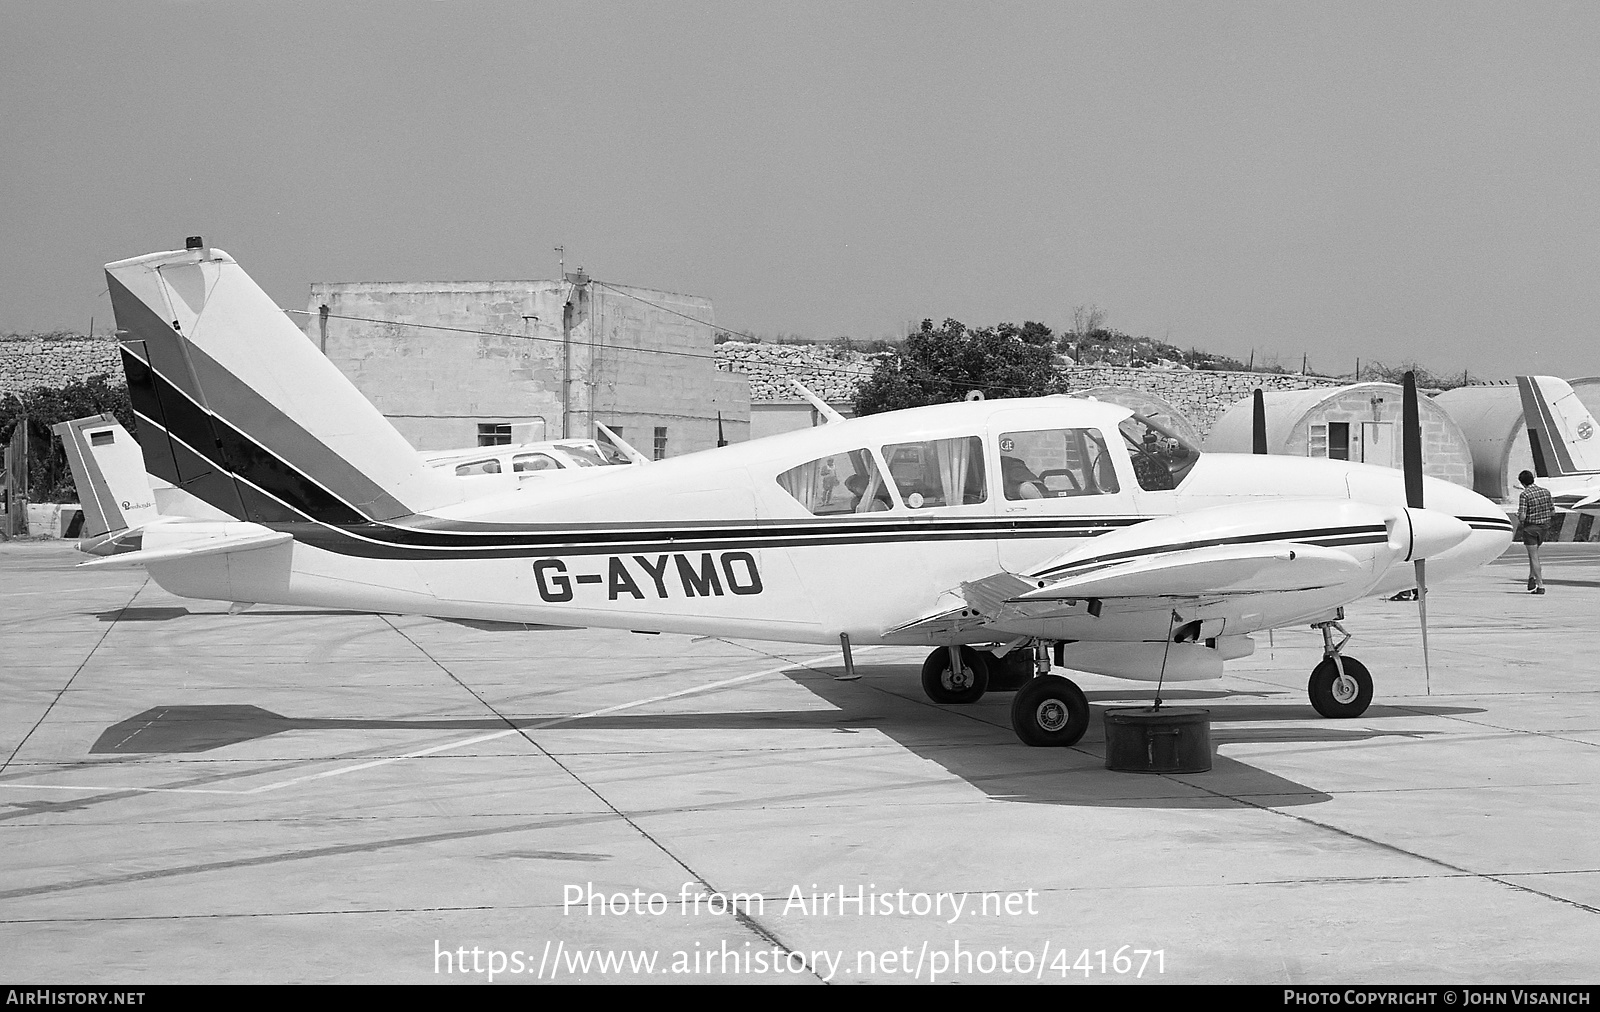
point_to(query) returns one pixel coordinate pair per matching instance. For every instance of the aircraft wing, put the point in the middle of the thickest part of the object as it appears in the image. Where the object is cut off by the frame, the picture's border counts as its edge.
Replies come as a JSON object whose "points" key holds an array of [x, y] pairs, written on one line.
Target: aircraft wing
{"points": [[1209, 571], [1212, 571], [208, 546]]}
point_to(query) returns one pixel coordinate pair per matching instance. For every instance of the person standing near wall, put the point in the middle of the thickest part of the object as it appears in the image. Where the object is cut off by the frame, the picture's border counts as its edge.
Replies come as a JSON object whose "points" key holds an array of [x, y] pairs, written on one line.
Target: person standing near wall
{"points": [[1534, 513]]}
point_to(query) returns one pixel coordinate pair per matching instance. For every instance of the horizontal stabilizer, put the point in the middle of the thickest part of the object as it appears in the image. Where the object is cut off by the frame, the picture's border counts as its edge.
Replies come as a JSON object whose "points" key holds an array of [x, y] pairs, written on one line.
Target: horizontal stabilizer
{"points": [[1217, 569], [208, 546]]}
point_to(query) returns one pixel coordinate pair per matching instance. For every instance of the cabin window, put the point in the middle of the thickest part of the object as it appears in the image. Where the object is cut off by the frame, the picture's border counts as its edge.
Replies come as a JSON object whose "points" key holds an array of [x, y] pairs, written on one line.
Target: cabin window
{"points": [[838, 484], [1053, 463], [478, 467], [938, 472], [494, 434], [534, 462]]}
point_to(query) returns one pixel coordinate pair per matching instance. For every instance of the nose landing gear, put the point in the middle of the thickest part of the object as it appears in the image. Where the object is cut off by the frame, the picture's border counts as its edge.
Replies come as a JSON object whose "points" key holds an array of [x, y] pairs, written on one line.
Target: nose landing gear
{"points": [[1340, 686]]}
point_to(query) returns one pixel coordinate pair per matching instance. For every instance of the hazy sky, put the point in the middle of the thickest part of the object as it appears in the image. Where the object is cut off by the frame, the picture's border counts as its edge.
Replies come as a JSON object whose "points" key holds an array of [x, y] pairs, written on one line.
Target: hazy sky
{"points": [[1389, 181]]}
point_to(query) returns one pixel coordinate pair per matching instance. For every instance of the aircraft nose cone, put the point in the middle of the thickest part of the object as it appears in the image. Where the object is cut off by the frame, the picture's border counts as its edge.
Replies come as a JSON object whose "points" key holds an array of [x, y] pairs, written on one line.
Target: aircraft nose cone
{"points": [[1433, 533]]}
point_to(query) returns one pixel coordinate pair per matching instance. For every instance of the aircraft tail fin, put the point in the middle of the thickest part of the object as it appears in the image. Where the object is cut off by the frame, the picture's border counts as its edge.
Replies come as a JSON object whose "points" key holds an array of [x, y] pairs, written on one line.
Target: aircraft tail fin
{"points": [[237, 407], [1561, 431], [108, 470]]}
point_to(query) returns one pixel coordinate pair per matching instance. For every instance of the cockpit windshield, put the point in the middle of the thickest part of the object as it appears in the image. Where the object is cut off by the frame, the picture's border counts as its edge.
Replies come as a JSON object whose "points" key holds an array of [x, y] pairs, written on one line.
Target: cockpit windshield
{"points": [[593, 454], [1161, 457]]}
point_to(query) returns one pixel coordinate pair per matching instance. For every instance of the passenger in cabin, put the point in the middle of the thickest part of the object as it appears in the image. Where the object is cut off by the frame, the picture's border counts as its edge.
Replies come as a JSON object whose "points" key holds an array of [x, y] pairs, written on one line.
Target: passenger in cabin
{"points": [[857, 484], [1019, 481]]}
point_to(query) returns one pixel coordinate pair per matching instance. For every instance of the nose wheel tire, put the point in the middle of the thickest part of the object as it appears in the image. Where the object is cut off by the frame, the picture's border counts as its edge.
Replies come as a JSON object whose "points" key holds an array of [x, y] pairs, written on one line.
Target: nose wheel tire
{"points": [[1050, 711], [1336, 696], [965, 686]]}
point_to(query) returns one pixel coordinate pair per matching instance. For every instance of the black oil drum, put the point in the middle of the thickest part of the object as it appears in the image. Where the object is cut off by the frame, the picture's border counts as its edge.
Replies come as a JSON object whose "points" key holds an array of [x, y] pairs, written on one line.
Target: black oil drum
{"points": [[1172, 739]]}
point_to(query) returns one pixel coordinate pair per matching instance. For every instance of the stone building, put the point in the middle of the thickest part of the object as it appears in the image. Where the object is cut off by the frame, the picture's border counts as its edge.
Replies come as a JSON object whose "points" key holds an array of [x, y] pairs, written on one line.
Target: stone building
{"points": [[1357, 422], [463, 363]]}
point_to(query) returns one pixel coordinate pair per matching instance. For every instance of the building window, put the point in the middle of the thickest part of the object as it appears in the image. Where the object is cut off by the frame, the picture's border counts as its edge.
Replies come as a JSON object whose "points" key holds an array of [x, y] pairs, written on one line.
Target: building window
{"points": [[1329, 439], [661, 442], [494, 434]]}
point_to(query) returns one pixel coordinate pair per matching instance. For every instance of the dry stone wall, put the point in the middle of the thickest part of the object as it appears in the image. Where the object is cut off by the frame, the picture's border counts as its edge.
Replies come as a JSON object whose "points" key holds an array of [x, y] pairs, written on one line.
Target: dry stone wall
{"points": [[834, 374], [831, 373], [28, 362]]}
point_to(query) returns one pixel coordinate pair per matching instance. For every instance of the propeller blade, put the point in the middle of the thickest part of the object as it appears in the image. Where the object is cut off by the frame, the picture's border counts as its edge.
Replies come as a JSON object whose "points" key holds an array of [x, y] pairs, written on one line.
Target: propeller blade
{"points": [[1411, 440], [1422, 613], [1258, 423]]}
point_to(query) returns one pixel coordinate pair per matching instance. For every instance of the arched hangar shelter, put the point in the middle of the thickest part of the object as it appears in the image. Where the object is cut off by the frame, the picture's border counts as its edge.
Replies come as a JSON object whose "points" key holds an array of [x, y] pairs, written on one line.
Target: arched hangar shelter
{"points": [[1147, 404], [1490, 416], [1358, 422]]}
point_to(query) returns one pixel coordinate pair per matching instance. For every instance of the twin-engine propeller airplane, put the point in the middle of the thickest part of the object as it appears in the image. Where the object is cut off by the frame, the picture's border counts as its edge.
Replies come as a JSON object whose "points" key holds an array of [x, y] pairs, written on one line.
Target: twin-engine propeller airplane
{"points": [[1561, 434], [1006, 534]]}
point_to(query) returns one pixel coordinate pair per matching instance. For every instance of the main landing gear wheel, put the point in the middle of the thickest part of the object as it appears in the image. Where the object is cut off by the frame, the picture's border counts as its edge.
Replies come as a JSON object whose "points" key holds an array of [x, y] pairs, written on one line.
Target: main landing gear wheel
{"points": [[945, 686], [1050, 711], [1335, 696]]}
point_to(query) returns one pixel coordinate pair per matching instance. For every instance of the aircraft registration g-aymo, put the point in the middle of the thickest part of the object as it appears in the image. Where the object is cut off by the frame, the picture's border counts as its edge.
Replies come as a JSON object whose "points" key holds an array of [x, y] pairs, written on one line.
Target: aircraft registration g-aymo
{"points": [[1005, 534]]}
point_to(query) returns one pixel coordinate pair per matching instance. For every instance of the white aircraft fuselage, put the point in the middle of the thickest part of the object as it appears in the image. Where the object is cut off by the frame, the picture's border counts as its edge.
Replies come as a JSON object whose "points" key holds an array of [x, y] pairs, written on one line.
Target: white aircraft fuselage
{"points": [[710, 543]]}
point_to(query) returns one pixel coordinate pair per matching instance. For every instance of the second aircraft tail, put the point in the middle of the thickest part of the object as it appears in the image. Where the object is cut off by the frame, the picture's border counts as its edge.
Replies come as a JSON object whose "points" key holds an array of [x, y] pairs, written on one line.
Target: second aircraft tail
{"points": [[1561, 431]]}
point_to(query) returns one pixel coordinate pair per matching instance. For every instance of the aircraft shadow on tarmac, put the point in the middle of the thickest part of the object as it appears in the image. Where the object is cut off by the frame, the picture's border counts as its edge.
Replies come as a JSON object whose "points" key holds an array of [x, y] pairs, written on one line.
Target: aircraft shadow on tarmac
{"points": [[142, 614], [973, 742]]}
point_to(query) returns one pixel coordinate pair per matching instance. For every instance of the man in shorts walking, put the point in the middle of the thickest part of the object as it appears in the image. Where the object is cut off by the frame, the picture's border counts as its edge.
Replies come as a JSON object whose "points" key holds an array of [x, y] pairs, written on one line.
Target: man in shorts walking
{"points": [[1534, 513]]}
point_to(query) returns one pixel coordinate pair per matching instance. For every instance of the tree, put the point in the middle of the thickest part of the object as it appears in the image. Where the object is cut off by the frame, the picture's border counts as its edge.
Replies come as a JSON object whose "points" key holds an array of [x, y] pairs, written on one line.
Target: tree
{"points": [[49, 477], [1085, 321], [937, 365]]}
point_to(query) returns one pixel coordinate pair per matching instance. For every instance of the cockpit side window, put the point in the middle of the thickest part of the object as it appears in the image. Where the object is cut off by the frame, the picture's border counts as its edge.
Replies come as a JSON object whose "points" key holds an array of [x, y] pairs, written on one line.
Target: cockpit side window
{"points": [[1161, 458], [839, 484], [534, 462], [478, 467], [938, 472], [1055, 463]]}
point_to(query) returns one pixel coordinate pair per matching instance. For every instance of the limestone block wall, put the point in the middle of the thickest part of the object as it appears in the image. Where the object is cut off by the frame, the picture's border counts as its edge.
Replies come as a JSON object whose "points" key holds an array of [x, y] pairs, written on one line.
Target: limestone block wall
{"points": [[26, 363], [1202, 396], [834, 375]]}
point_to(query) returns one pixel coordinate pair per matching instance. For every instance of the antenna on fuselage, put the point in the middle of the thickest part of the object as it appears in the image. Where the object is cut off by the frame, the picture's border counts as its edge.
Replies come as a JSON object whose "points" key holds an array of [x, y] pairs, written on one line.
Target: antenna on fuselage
{"points": [[829, 415], [622, 444]]}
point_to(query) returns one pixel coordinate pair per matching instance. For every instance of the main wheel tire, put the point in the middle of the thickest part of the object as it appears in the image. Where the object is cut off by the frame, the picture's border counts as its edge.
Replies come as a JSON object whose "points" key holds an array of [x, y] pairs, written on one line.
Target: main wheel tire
{"points": [[1338, 698], [1050, 711], [966, 686]]}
